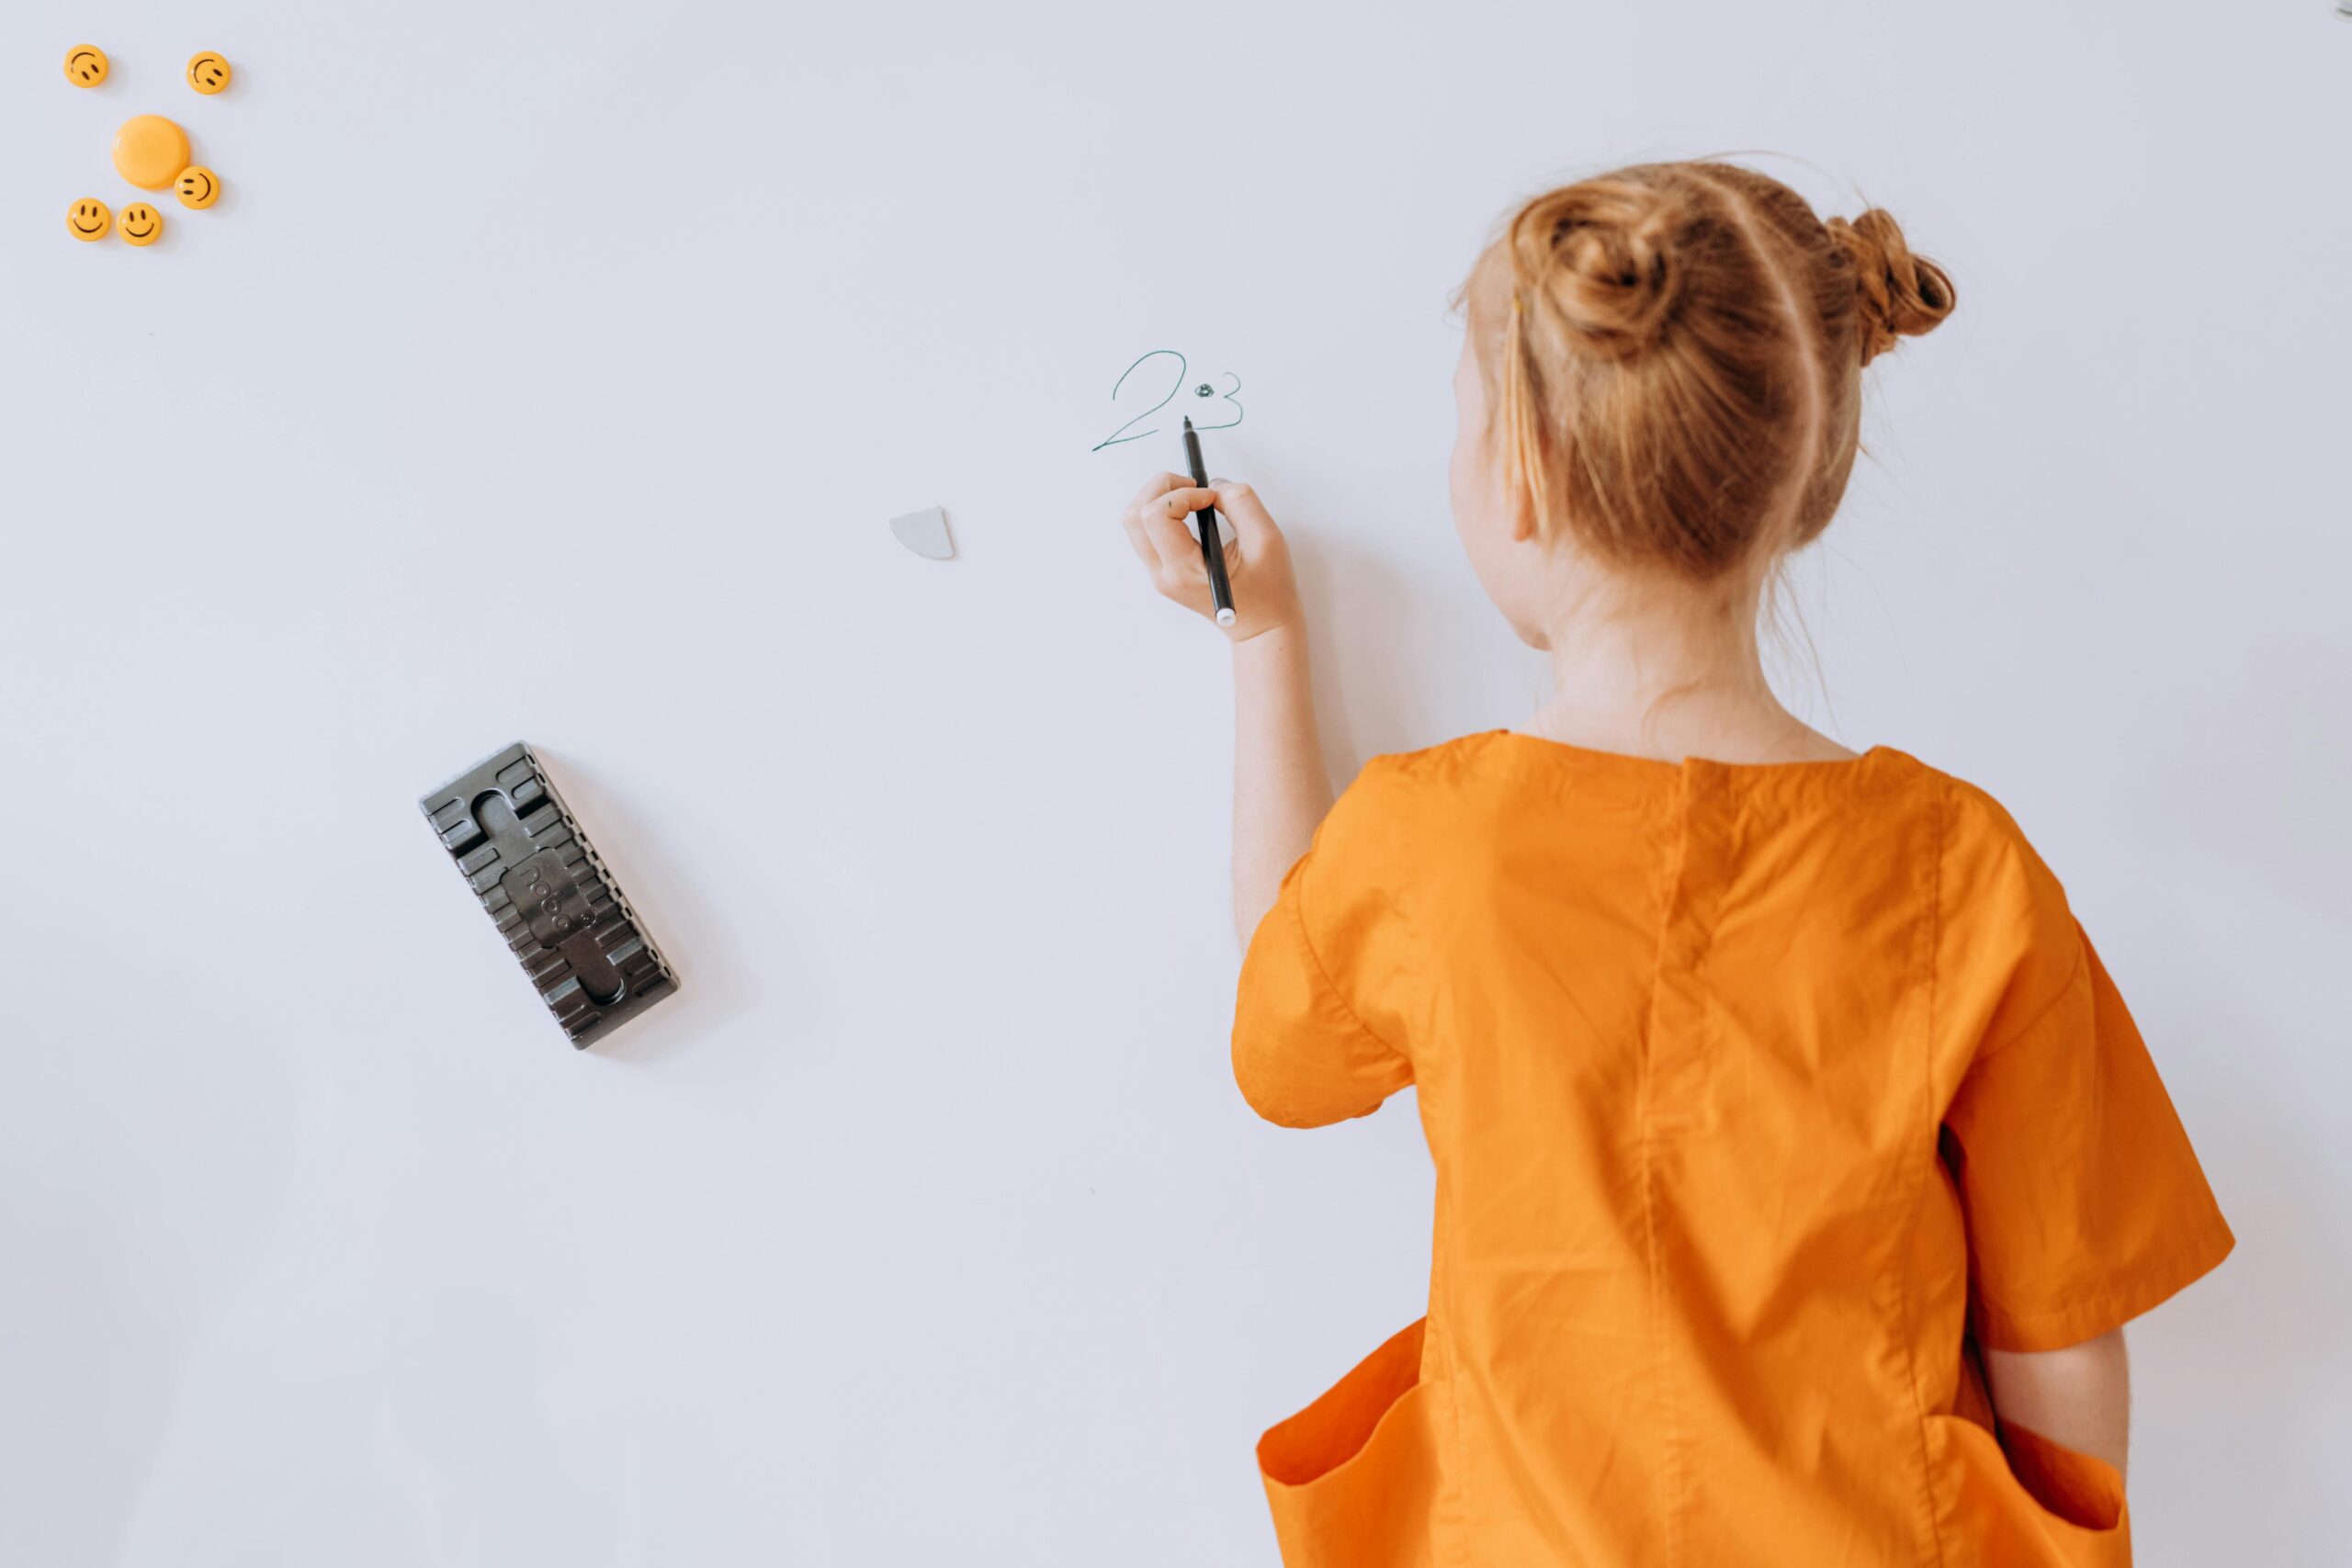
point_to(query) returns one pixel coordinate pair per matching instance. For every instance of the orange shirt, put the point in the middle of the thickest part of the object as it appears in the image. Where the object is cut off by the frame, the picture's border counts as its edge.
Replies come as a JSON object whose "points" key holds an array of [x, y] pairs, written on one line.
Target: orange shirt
{"points": [[1759, 1097]]}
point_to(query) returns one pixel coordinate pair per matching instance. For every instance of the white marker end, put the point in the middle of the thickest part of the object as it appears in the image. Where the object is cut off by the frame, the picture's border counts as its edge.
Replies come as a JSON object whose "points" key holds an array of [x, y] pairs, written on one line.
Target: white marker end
{"points": [[1225, 617]]}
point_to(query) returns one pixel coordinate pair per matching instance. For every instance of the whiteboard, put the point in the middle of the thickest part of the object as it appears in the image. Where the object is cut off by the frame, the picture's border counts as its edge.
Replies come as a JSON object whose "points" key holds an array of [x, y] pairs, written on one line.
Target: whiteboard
{"points": [[549, 372]]}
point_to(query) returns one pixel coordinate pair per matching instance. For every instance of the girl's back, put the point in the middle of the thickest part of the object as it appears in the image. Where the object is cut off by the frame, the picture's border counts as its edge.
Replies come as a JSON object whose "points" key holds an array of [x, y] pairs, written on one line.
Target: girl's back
{"points": [[1725, 1070], [1797, 1164]]}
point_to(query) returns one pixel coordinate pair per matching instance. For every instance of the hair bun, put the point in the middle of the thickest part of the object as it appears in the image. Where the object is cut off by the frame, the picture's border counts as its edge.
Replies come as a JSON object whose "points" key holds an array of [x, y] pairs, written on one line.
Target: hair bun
{"points": [[1900, 295], [1597, 258]]}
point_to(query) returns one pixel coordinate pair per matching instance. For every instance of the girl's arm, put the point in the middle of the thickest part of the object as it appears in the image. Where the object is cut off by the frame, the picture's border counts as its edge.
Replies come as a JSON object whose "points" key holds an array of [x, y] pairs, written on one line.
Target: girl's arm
{"points": [[2080, 1396], [1280, 790]]}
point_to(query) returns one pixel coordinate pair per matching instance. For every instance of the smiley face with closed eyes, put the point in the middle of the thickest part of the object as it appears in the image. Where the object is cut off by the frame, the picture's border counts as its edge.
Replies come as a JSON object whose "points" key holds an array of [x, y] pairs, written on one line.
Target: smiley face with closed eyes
{"points": [[199, 186]]}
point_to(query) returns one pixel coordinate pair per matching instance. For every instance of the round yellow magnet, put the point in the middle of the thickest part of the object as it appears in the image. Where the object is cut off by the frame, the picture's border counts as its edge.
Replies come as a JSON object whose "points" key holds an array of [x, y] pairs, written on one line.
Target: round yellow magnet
{"points": [[207, 73], [199, 186], [150, 150], [85, 66], [141, 224], [88, 220]]}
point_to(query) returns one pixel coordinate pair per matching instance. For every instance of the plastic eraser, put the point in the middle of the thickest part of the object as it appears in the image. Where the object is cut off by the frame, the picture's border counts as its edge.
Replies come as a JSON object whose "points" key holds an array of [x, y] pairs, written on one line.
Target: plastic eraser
{"points": [[562, 915]]}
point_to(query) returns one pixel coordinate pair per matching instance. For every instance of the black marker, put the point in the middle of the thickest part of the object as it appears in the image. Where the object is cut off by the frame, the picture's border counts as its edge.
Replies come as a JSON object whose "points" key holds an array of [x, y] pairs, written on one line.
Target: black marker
{"points": [[1212, 544]]}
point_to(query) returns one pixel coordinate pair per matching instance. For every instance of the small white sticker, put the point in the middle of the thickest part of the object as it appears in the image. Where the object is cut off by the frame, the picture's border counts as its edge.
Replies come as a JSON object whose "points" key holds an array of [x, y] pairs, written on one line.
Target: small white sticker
{"points": [[925, 533]]}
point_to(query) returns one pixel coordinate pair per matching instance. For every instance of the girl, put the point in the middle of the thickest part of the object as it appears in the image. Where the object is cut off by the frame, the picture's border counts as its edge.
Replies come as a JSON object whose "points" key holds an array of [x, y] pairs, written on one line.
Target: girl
{"points": [[1797, 1163]]}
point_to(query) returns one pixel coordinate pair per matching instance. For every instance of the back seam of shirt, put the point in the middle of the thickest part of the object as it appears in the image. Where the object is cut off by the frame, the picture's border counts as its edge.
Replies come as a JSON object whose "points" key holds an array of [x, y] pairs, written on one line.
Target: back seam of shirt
{"points": [[1939, 815]]}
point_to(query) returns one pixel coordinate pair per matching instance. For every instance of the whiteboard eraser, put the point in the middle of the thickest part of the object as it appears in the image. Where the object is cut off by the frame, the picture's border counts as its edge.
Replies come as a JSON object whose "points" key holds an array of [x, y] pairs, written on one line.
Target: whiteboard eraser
{"points": [[561, 912]]}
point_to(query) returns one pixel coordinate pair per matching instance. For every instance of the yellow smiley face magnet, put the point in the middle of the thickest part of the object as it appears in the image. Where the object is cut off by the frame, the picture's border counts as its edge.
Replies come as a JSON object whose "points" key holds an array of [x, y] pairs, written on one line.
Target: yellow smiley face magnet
{"points": [[141, 224], [207, 73], [198, 187], [85, 66], [88, 220], [150, 150]]}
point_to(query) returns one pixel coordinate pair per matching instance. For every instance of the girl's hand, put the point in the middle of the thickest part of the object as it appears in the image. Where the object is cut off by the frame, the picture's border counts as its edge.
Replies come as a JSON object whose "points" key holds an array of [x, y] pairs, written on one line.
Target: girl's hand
{"points": [[1257, 563]]}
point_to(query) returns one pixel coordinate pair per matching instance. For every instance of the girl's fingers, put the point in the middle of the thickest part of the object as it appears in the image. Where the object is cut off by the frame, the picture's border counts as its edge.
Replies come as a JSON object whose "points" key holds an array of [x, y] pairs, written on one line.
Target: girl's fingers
{"points": [[1131, 523], [1182, 507], [1156, 487], [1136, 519], [1167, 542], [1178, 564], [1183, 502], [1163, 525], [1155, 524], [1239, 502]]}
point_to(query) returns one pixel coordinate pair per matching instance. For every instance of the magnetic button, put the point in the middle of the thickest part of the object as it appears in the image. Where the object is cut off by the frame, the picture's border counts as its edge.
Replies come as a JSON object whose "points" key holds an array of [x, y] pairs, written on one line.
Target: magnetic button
{"points": [[150, 150]]}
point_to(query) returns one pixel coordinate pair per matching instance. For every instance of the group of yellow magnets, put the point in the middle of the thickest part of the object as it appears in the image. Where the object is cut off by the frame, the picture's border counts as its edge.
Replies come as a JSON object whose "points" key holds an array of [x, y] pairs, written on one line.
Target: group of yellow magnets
{"points": [[150, 152]]}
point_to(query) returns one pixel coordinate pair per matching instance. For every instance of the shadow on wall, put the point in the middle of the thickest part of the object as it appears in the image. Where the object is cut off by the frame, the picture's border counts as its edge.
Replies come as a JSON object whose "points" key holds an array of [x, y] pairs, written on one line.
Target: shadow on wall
{"points": [[1400, 639]]}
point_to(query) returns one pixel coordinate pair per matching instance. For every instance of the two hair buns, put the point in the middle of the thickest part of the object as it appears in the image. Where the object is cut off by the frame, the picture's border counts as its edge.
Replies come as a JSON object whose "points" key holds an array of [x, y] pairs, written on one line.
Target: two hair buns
{"points": [[1608, 258]]}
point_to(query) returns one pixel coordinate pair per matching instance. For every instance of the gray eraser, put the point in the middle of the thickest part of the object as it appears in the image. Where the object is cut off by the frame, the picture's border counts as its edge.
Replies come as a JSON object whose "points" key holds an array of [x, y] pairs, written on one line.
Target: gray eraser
{"points": [[522, 852]]}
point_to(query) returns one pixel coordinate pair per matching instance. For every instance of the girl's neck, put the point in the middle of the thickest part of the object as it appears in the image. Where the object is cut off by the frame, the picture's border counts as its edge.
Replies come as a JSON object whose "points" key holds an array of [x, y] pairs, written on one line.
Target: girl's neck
{"points": [[1670, 671]]}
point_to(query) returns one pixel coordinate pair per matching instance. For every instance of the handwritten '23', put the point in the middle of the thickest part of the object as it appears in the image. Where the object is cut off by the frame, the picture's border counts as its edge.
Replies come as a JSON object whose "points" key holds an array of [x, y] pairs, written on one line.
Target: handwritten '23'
{"points": [[1172, 366]]}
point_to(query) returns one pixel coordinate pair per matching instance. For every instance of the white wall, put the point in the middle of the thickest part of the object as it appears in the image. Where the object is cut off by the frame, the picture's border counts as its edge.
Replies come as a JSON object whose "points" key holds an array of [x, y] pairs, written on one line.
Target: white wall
{"points": [[549, 372]]}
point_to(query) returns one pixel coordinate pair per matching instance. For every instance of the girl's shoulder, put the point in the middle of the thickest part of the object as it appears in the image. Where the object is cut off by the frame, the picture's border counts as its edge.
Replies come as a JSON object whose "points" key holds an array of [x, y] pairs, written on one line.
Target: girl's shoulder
{"points": [[1981, 837], [1489, 780], [1446, 780]]}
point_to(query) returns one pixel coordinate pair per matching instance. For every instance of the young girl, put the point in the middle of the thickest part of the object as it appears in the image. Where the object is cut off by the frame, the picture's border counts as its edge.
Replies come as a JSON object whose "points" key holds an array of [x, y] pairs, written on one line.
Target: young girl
{"points": [[1797, 1163]]}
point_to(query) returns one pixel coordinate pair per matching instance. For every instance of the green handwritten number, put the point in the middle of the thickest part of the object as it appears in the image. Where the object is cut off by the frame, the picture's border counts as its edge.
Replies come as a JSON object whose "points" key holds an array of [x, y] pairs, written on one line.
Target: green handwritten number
{"points": [[1120, 435], [1230, 398]]}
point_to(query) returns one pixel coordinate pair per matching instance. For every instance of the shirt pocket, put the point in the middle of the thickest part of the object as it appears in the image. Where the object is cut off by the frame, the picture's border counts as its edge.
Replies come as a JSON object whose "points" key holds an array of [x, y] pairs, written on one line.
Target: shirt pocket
{"points": [[1352, 1479], [2028, 1501]]}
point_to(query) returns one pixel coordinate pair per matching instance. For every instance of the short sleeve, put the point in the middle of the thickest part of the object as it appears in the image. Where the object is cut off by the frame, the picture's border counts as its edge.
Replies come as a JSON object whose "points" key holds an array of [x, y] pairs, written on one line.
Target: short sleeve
{"points": [[1314, 1026], [2086, 1205]]}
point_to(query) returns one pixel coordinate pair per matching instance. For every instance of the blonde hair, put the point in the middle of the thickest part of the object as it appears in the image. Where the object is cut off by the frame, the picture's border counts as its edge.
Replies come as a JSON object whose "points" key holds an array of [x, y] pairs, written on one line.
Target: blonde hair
{"points": [[1674, 354]]}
